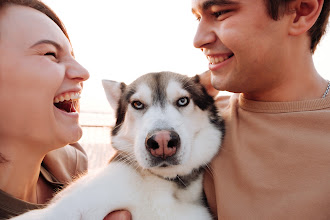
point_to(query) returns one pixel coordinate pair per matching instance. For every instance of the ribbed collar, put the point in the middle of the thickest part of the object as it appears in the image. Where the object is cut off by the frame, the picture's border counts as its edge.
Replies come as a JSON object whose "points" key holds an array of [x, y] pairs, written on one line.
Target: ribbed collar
{"points": [[283, 107]]}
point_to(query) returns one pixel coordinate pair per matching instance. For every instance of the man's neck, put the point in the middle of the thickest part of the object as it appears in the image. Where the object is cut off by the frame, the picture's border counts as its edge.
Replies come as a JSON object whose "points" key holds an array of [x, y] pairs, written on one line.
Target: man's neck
{"points": [[299, 81], [294, 92]]}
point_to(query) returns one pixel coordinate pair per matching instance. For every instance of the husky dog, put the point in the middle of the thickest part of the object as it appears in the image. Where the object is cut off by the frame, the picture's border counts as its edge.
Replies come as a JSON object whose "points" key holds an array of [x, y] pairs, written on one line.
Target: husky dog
{"points": [[167, 131]]}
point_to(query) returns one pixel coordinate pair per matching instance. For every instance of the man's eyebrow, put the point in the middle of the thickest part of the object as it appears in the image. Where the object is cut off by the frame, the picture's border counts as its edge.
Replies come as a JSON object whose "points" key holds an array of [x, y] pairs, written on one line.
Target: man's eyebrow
{"points": [[58, 46], [207, 4]]}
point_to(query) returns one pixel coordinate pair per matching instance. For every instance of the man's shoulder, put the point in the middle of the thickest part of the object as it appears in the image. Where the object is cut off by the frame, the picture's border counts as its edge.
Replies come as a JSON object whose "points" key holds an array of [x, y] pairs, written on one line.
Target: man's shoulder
{"points": [[224, 102]]}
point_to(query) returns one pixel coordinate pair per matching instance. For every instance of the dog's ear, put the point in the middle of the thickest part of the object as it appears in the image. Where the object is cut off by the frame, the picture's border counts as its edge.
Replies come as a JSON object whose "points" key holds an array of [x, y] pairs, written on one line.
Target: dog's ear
{"points": [[113, 91], [205, 80]]}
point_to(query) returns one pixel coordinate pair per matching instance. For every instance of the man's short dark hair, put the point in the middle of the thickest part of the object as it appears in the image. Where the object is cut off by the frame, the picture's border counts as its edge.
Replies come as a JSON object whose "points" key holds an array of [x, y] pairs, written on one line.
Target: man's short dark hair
{"points": [[276, 8]]}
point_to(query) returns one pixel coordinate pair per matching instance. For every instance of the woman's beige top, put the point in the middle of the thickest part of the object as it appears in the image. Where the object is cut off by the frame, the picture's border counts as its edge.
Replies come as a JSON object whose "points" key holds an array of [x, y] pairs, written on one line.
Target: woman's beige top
{"points": [[59, 167]]}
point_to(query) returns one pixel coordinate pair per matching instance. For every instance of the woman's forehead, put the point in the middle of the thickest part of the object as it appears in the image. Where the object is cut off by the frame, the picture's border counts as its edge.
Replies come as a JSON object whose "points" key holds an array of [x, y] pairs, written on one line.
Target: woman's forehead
{"points": [[27, 25]]}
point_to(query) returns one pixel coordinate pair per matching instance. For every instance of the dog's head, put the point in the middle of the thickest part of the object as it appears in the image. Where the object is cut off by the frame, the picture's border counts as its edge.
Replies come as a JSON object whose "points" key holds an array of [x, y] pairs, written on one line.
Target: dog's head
{"points": [[166, 122]]}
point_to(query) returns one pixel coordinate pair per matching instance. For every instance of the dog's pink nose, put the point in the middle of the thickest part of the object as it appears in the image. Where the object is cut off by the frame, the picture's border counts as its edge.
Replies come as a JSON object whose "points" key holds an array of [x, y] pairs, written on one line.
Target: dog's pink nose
{"points": [[163, 143]]}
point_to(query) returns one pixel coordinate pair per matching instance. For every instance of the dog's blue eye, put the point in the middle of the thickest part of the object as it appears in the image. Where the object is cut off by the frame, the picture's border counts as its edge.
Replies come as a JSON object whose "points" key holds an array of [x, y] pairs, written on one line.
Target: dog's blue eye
{"points": [[137, 105], [184, 101]]}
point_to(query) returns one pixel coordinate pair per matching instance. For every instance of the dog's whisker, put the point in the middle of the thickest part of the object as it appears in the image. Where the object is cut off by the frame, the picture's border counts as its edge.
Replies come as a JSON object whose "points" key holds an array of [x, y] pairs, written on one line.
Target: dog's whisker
{"points": [[117, 125], [179, 125], [209, 169], [181, 181]]}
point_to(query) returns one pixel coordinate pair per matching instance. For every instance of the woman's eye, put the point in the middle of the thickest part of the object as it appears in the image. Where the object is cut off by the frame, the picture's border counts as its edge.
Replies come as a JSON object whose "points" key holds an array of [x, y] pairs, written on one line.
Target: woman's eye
{"points": [[51, 54], [137, 105], [184, 101]]}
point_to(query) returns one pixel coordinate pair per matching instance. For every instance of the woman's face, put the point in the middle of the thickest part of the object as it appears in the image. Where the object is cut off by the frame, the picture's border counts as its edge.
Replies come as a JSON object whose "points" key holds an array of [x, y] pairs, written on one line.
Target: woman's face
{"points": [[37, 72]]}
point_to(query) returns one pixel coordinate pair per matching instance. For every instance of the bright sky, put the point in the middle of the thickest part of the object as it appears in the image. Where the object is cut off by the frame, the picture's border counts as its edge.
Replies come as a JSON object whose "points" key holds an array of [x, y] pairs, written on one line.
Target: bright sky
{"points": [[121, 40]]}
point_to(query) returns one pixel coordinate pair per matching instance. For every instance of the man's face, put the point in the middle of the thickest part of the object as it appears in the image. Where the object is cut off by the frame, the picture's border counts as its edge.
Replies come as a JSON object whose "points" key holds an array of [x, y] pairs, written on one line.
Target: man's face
{"points": [[244, 46]]}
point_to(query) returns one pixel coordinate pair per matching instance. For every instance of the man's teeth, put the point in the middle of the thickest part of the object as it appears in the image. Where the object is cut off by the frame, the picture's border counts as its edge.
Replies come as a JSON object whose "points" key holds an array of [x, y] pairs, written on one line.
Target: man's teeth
{"points": [[67, 96], [215, 60]]}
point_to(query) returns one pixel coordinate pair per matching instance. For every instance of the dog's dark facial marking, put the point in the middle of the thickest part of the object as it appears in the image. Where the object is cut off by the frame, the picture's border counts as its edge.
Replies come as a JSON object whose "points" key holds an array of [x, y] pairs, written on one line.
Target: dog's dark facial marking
{"points": [[198, 93], [160, 162], [205, 102], [185, 181], [121, 110], [217, 121], [159, 96]]}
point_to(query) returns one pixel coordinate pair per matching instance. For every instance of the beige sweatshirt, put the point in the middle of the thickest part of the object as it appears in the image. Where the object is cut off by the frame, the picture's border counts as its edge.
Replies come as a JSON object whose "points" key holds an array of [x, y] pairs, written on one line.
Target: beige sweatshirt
{"points": [[58, 168], [274, 162]]}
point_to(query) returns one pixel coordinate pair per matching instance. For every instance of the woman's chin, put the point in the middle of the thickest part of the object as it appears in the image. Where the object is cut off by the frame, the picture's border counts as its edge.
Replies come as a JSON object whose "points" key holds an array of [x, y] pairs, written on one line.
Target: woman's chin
{"points": [[68, 136]]}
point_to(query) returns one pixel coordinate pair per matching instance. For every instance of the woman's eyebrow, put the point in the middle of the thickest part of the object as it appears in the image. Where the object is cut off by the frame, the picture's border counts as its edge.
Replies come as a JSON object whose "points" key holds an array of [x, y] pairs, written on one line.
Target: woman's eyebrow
{"points": [[58, 47], [55, 44]]}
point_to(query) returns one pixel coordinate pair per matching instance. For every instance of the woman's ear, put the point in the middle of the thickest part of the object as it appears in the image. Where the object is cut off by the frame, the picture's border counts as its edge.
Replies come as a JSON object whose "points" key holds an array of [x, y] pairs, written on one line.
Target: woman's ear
{"points": [[304, 15]]}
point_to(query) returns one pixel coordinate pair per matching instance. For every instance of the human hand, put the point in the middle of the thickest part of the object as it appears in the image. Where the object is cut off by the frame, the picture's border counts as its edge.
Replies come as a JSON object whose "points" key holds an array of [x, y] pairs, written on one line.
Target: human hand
{"points": [[205, 80], [119, 215]]}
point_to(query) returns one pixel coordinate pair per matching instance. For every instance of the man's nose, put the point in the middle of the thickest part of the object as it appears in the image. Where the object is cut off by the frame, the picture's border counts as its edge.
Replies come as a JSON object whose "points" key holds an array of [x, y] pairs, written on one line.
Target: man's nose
{"points": [[204, 35]]}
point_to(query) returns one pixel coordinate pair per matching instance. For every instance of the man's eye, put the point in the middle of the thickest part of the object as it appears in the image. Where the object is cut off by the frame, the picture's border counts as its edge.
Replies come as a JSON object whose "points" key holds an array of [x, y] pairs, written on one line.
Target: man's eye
{"points": [[137, 105], [219, 13]]}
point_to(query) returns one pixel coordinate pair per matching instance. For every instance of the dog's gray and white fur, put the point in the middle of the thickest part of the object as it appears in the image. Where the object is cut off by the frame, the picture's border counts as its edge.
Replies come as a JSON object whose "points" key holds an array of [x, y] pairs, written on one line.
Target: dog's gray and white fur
{"points": [[167, 131]]}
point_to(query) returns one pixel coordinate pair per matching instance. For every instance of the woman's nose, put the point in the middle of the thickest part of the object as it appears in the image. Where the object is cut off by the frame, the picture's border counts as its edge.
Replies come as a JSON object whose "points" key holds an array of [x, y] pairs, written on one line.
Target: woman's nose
{"points": [[77, 71]]}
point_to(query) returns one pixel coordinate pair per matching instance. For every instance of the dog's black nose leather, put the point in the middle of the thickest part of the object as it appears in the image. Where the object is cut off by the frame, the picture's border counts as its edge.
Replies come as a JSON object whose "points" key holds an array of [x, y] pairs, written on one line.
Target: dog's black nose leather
{"points": [[163, 143]]}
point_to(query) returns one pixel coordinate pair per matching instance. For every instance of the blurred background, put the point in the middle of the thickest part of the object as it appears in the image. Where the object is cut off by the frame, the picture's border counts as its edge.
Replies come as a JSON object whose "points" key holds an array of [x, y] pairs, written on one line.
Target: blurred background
{"points": [[121, 40]]}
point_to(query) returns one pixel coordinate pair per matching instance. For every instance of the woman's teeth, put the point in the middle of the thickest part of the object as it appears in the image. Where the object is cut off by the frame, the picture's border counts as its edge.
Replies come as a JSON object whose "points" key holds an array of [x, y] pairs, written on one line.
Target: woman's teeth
{"points": [[67, 101], [67, 96]]}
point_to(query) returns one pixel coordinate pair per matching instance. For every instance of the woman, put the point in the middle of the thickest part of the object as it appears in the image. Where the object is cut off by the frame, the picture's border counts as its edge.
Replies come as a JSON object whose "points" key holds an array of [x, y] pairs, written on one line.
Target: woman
{"points": [[40, 86]]}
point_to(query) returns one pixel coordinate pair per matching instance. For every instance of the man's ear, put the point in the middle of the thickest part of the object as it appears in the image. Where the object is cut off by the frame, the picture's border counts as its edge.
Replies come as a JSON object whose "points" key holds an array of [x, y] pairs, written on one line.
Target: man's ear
{"points": [[304, 15]]}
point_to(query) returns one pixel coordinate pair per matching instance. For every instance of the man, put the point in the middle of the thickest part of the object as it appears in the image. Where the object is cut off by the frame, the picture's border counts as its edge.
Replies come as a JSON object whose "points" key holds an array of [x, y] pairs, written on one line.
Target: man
{"points": [[275, 159]]}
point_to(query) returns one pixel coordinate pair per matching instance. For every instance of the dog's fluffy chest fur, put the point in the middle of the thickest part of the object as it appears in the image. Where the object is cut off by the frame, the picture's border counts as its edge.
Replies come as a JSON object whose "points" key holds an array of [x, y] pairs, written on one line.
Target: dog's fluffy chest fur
{"points": [[153, 197], [119, 186]]}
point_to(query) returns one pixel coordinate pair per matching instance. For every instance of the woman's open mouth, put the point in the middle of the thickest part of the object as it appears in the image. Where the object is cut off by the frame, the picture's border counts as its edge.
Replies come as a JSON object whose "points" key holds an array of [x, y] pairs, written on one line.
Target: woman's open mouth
{"points": [[67, 102]]}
